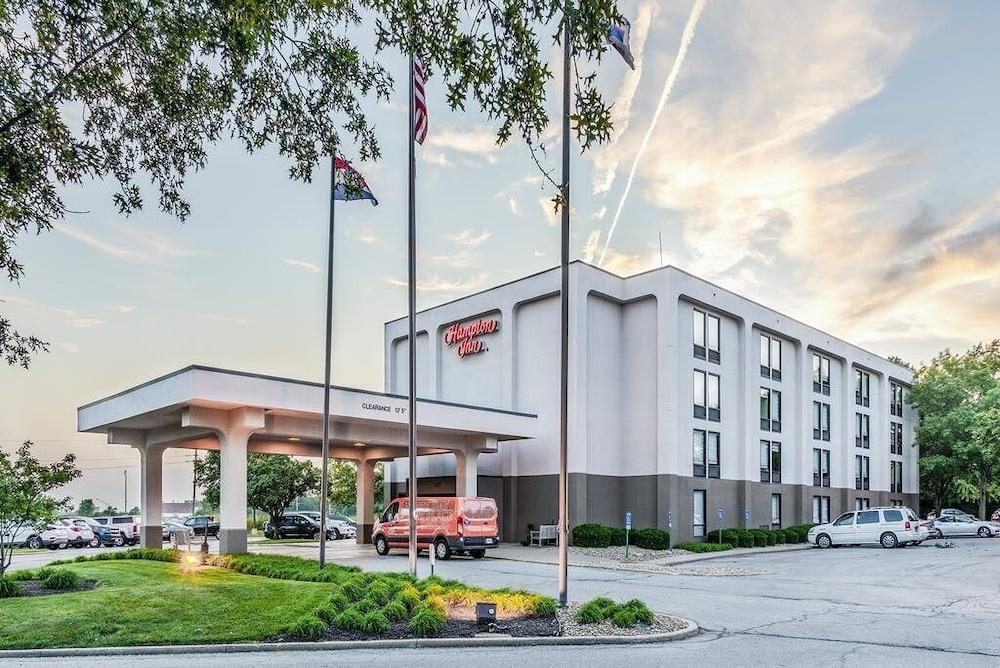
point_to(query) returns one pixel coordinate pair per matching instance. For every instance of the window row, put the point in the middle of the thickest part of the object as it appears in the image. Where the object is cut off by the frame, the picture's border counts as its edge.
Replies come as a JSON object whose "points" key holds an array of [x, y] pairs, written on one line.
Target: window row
{"points": [[862, 472], [770, 409], [706, 336], [821, 421], [862, 503], [706, 454], [896, 399], [895, 477], [895, 438], [821, 509], [821, 374], [706, 396], [862, 430], [862, 388], [821, 467], [770, 357], [770, 461]]}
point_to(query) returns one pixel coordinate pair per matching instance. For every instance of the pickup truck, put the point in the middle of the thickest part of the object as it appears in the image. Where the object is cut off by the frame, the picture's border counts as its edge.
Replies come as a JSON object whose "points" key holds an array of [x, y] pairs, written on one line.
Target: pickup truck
{"points": [[200, 524]]}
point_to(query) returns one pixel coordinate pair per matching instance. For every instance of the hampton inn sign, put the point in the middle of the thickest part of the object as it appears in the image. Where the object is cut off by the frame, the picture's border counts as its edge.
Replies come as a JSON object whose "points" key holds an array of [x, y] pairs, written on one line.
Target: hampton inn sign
{"points": [[466, 336]]}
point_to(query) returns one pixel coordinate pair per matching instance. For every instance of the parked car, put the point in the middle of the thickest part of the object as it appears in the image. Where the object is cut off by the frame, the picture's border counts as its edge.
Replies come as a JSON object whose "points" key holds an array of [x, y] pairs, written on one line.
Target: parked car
{"points": [[347, 520], [200, 524], [948, 526], [996, 516], [448, 525], [127, 524], [292, 526], [886, 526], [52, 537], [103, 534], [79, 535], [181, 531], [336, 529]]}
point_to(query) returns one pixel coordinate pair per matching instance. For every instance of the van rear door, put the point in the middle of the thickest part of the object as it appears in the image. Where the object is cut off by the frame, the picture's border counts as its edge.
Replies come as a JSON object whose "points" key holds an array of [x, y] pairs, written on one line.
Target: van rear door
{"points": [[478, 517]]}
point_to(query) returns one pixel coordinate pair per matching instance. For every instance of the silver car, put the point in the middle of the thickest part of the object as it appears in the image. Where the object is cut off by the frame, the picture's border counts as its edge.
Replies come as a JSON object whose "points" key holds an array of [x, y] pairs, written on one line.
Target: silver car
{"points": [[948, 526]]}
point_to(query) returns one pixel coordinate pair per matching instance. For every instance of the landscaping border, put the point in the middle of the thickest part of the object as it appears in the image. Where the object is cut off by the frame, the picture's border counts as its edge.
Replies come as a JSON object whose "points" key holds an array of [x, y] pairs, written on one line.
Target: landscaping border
{"points": [[690, 629]]}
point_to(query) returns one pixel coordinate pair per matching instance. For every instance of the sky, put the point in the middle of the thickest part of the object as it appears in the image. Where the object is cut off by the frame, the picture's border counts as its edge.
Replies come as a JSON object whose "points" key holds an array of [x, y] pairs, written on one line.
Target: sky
{"points": [[836, 161]]}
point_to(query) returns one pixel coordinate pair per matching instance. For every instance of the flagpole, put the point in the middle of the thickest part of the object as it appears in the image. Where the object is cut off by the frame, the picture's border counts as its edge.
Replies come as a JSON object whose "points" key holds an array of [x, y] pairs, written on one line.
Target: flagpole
{"points": [[325, 480], [564, 332], [412, 336]]}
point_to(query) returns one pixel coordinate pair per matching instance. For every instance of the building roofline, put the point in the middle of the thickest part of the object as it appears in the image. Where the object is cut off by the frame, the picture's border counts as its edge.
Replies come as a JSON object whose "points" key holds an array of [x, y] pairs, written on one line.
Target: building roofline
{"points": [[308, 383]]}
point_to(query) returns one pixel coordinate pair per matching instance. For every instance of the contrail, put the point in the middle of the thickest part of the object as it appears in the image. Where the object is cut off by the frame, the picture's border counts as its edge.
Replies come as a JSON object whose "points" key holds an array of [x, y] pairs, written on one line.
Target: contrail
{"points": [[682, 50]]}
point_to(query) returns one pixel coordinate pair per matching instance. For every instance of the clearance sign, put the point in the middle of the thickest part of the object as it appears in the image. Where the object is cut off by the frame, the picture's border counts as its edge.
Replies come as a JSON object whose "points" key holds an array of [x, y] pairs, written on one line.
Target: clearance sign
{"points": [[466, 336]]}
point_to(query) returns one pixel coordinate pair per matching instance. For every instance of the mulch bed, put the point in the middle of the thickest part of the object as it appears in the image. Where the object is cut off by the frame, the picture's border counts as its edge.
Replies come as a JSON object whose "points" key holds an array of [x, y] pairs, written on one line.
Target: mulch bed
{"points": [[35, 588], [454, 628]]}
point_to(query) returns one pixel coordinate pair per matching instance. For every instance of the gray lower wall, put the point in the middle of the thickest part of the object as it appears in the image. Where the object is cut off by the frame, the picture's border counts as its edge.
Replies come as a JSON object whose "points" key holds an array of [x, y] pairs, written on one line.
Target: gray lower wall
{"points": [[524, 500]]}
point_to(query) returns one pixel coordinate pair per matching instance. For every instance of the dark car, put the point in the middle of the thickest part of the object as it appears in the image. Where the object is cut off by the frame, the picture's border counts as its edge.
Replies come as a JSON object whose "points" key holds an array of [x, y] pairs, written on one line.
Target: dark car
{"points": [[200, 524], [292, 526]]}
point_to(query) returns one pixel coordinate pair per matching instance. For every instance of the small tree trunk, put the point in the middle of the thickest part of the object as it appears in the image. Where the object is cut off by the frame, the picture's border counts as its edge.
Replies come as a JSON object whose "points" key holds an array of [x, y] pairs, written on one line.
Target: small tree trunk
{"points": [[983, 494]]}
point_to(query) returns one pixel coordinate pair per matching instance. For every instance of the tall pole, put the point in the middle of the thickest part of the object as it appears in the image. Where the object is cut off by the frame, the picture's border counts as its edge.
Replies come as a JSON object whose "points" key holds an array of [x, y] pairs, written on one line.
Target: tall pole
{"points": [[564, 332], [324, 476], [411, 284], [194, 485], [125, 501], [660, 234]]}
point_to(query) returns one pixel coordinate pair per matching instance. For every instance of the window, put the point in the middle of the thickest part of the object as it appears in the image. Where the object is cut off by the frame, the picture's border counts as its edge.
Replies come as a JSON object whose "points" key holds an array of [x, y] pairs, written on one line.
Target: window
{"points": [[861, 472], [776, 510], [896, 477], [861, 503], [821, 421], [896, 399], [892, 515], [862, 430], [699, 394], [895, 438], [770, 357], [868, 517], [706, 336], [821, 509], [699, 513], [714, 412], [770, 409], [699, 453], [845, 520], [770, 461], [821, 467], [862, 388], [896, 503], [821, 374], [713, 454]]}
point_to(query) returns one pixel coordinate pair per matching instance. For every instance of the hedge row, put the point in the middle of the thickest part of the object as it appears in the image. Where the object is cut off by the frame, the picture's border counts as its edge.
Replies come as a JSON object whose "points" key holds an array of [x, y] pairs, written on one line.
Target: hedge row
{"points": [[704, 547], [599, 535], [760, 537]]}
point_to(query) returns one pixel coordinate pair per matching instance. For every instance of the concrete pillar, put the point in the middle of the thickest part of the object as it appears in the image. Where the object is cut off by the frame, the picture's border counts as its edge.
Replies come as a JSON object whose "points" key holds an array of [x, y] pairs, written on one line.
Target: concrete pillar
{"points": [[467, 473], [151, 496], [233, 493], [366, 500]]}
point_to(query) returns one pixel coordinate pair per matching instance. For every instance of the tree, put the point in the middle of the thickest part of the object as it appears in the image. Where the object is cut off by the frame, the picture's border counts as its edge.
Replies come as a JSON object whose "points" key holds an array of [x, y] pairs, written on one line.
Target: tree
{"points": [[25, 484], [958, 400], [86, 508], [344, 483], [137, 90], [135, 511]]}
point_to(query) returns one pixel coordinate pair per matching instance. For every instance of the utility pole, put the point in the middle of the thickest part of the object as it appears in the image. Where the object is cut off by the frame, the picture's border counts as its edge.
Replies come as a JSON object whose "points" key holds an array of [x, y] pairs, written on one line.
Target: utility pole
{"points": [[125, 506], [564, 331]]}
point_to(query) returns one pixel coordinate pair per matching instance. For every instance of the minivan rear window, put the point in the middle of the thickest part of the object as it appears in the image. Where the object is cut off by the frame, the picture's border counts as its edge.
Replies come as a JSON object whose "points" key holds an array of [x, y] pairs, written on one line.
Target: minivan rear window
{"points": [[868, 517], [892, 515]]}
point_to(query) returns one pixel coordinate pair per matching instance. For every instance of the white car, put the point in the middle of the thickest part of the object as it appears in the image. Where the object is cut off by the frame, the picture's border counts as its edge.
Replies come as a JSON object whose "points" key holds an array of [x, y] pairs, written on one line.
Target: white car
{"points": [[963, 525], [52, 537], [886, 526], [80, 534], [335, 529]]}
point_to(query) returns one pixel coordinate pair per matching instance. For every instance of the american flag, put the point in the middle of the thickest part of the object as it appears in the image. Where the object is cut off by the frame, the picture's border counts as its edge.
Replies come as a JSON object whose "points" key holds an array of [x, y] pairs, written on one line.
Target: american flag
{"points": [[419, 105]]}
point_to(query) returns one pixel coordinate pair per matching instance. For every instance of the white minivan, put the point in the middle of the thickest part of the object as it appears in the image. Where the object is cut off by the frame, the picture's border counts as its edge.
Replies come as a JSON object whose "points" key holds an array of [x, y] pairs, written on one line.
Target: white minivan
{"points": [[885, 526]]}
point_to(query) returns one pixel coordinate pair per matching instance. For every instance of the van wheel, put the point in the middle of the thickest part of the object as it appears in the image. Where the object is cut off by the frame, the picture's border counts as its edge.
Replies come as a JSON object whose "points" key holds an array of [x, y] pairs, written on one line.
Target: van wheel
{"points": [[441, 549], [35, 543], [984, 532], [889, 540], [381, 545], [477, 554], [823, 541]]}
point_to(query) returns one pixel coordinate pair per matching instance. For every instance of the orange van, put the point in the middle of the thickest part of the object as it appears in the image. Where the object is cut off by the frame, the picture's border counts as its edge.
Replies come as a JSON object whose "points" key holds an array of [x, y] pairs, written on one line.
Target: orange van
{"points": [[448, 525]]}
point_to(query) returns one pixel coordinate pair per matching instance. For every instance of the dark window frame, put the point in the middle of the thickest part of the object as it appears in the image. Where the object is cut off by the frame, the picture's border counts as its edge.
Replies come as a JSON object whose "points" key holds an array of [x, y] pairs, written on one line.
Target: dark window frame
{"points": [[700, 410], [704, 512], [714, 413], [768, 348], [821, 374], [709, 322]]}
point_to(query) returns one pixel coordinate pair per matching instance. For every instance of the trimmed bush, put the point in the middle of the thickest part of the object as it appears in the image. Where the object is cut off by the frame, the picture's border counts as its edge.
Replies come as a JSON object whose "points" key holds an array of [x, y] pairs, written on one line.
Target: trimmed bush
{"points": [[771, 538], [591, 535], [9, 588], [746, 539], [61, 580], [642, 613], [617, 537], [651, 538], [427, 621], [759, 538], [704, 547], [589, 614], [374, 622], [623, 615], [623, 618], [779, 536], [307, 626]]}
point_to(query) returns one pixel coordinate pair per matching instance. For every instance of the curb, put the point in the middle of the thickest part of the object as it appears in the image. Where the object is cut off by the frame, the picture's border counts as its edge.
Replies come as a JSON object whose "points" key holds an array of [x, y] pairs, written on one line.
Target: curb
{"points": [[690, 629]]}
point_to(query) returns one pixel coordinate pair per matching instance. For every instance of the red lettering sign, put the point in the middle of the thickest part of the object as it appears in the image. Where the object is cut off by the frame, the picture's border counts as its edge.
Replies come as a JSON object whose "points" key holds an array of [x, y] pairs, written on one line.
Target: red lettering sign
{"points": [[467, 335]]}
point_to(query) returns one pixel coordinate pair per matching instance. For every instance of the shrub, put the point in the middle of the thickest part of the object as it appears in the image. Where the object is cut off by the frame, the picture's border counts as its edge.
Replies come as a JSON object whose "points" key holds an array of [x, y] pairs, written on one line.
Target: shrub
{"points": [[338, 602], [641, 611], [395, 611], [374, 622], [651, 538], [704, 547], [591, 535], [589, 614], [307, 626], [9, 588], [623, 618], [354, 589], [771, 538], [617, 537], [746, 539], [779, 536], [759, 538], [43, 573], [61, 579], [379, 592], [409, 597], [426, 621], [545, 606], [24, 574], [365, 605], [349, 620]]}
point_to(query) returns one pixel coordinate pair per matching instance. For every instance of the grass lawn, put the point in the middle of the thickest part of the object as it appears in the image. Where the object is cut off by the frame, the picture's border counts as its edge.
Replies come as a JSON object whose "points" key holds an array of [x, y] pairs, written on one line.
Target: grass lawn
{"points": [[146, 602]]}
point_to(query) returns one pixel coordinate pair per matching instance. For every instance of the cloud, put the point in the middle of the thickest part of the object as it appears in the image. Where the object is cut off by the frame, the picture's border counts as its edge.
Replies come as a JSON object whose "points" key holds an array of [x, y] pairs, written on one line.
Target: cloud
{"points": [[309, 266], [478, 141], [115, 250], [86, 323], [462, 259], [221, 318], [147, 248], [438, 284], [468, 238], [515, 208], [125, 308], [591, 246]]}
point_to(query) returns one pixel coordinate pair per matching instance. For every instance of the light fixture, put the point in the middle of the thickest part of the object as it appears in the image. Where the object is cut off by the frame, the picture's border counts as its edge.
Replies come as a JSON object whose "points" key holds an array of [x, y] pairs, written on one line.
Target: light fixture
{"points": [[294, 438], [359, 445]]}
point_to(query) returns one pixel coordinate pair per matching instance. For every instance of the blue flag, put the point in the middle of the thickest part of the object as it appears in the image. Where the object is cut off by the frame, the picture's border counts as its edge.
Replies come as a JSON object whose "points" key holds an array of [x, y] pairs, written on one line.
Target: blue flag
{"points": [[618, 35]]}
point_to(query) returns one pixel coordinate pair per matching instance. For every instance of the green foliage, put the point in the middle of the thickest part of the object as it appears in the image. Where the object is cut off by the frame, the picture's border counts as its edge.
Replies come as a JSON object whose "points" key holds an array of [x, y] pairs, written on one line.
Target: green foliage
{"points": [[86, 508], [409, 596], [599, 535], [23, 574], [307, 626], [545, 606], [642, 613], [349, 620], [355, 588], [623, 615], [375, 623], [623, 618], [591, 535], [651, 538], [9, 587], [26, 483], [704, 547], [395, 611], [344, 485], [61, 579], [426, 621], [759, 537], [589, 614]]}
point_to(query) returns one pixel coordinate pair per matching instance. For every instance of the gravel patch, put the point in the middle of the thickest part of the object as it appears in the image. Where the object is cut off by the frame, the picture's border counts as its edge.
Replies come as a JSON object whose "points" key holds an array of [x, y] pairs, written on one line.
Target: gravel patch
{"points": [[617, 554], [568, 626]]}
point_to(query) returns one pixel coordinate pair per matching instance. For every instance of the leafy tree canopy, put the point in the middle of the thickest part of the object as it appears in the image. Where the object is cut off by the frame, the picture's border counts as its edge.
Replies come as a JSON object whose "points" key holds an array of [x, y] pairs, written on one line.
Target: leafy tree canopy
{"points": [[25, 485], [137, 90], [86, 508], [343, 489]]}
